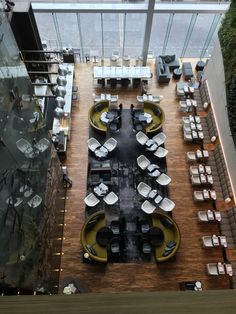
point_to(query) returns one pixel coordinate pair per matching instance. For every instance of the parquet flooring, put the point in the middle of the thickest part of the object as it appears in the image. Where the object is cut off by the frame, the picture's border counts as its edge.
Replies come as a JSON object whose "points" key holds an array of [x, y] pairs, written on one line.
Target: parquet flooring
{"points": [[191, 259]]}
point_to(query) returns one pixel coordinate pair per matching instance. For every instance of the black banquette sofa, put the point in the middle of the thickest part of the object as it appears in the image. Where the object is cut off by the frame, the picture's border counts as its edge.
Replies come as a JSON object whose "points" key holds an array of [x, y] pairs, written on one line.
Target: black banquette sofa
{"points": [[164, 65]]}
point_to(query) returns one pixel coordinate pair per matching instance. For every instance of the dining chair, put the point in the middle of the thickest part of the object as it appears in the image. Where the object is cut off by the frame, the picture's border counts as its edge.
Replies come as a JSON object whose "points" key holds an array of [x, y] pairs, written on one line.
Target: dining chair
{"points": [[167, 205], [111, 198], [159, 138], [143, 189], [93, 144], [142, 138], [163, 179], [148, 207], [91, 200], [110, 144], [161, 152], [143, 162]]}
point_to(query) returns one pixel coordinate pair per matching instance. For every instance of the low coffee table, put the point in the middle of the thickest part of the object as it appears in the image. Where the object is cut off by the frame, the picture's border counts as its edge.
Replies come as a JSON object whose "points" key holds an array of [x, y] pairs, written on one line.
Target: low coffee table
{"points": [[104, 236]]}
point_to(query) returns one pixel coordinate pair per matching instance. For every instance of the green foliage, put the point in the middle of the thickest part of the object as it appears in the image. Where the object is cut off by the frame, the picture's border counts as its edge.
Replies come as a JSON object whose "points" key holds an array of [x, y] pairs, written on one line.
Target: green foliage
{"points": [[227, 37]]}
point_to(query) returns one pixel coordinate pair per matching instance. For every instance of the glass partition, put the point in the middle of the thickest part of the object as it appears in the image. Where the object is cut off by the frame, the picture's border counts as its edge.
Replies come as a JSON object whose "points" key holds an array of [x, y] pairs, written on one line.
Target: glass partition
{"points": [[68, 28], [113, 33], [199, 35], [47, 30], [25, 150], [91, 31], [178, 34], [123, 28], [134, 34]]}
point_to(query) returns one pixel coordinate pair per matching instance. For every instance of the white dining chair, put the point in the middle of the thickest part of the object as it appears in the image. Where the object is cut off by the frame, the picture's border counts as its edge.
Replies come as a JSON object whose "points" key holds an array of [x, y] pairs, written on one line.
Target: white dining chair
{"points": [[111, 198], [142, 138], [143, 189], [148, 207], [91, 200], [110, 144], [161, 152], [143, 162], [167, 205], [163, 179], [159, 138], [93, 144]]}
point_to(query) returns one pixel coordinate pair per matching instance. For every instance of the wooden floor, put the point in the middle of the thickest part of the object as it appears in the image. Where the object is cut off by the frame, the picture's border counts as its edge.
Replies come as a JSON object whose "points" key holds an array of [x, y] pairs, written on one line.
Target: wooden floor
{"points": [[191, 259]]}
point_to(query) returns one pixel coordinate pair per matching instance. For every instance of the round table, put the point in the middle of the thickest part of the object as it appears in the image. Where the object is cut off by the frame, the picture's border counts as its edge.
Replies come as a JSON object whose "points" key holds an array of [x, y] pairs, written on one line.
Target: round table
{"points": [[153, 171], [151, 145], [107, 117], [104, 236], [156, 236], [200, 65], [177, 73]]}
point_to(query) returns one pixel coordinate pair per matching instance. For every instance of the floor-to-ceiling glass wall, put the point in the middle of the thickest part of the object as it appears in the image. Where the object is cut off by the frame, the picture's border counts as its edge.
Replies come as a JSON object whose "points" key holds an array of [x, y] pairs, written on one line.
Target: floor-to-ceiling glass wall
{"points": [[98, 30]]}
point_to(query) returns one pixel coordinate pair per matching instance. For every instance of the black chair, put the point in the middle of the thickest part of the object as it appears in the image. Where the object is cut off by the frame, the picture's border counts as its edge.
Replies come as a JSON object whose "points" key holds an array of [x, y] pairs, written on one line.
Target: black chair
{"points": [[115, 247], [137, 125], [146, 248], [115, 227], [125, 82], [115, 125], [136, 82], [112, 82], [145, 227], [101, 81]]}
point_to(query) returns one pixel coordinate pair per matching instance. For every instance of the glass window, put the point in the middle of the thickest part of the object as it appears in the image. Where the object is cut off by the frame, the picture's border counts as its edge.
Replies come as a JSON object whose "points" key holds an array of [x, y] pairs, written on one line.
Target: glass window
{"points": [[91, 33], [134, 34], [47, 30], [69, 31], [159, 27], [199, 35], [178, 34], [112, 33]]}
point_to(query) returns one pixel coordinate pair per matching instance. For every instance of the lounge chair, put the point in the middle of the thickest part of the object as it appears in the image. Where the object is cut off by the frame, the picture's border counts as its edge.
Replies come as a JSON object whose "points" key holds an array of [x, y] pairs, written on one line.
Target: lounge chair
{"points": [[193, 170], [111, 198], [191, 157], [167, 205], [91, 200], [207, 241], [23, 145], [198, 196], [229, 269], [143, 162], [148, 207], [110, 144], [159, 138], [202, 216], [188, 137], [195, 180], [163, 179], [161, 152], [93, 144], [144, 189], [142, 138], [217, 215], [212, 269], [42, 144]]}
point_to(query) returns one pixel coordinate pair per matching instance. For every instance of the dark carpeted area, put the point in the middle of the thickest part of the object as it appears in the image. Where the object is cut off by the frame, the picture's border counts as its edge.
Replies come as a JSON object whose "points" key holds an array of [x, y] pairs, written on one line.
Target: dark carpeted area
{"points": [[124, 178]]}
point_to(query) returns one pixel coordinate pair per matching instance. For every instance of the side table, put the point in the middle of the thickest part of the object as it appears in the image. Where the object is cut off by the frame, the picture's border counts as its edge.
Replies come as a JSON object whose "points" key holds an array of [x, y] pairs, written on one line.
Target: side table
{"points": [[177, 73], [200, 65]]}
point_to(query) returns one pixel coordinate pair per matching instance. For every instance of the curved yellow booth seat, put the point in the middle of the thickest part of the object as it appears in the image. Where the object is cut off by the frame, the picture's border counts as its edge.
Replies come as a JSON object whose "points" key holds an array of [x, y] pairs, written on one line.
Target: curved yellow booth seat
{"points": [[94, 115], [88, 237], [158, 117], [171, 242]]}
